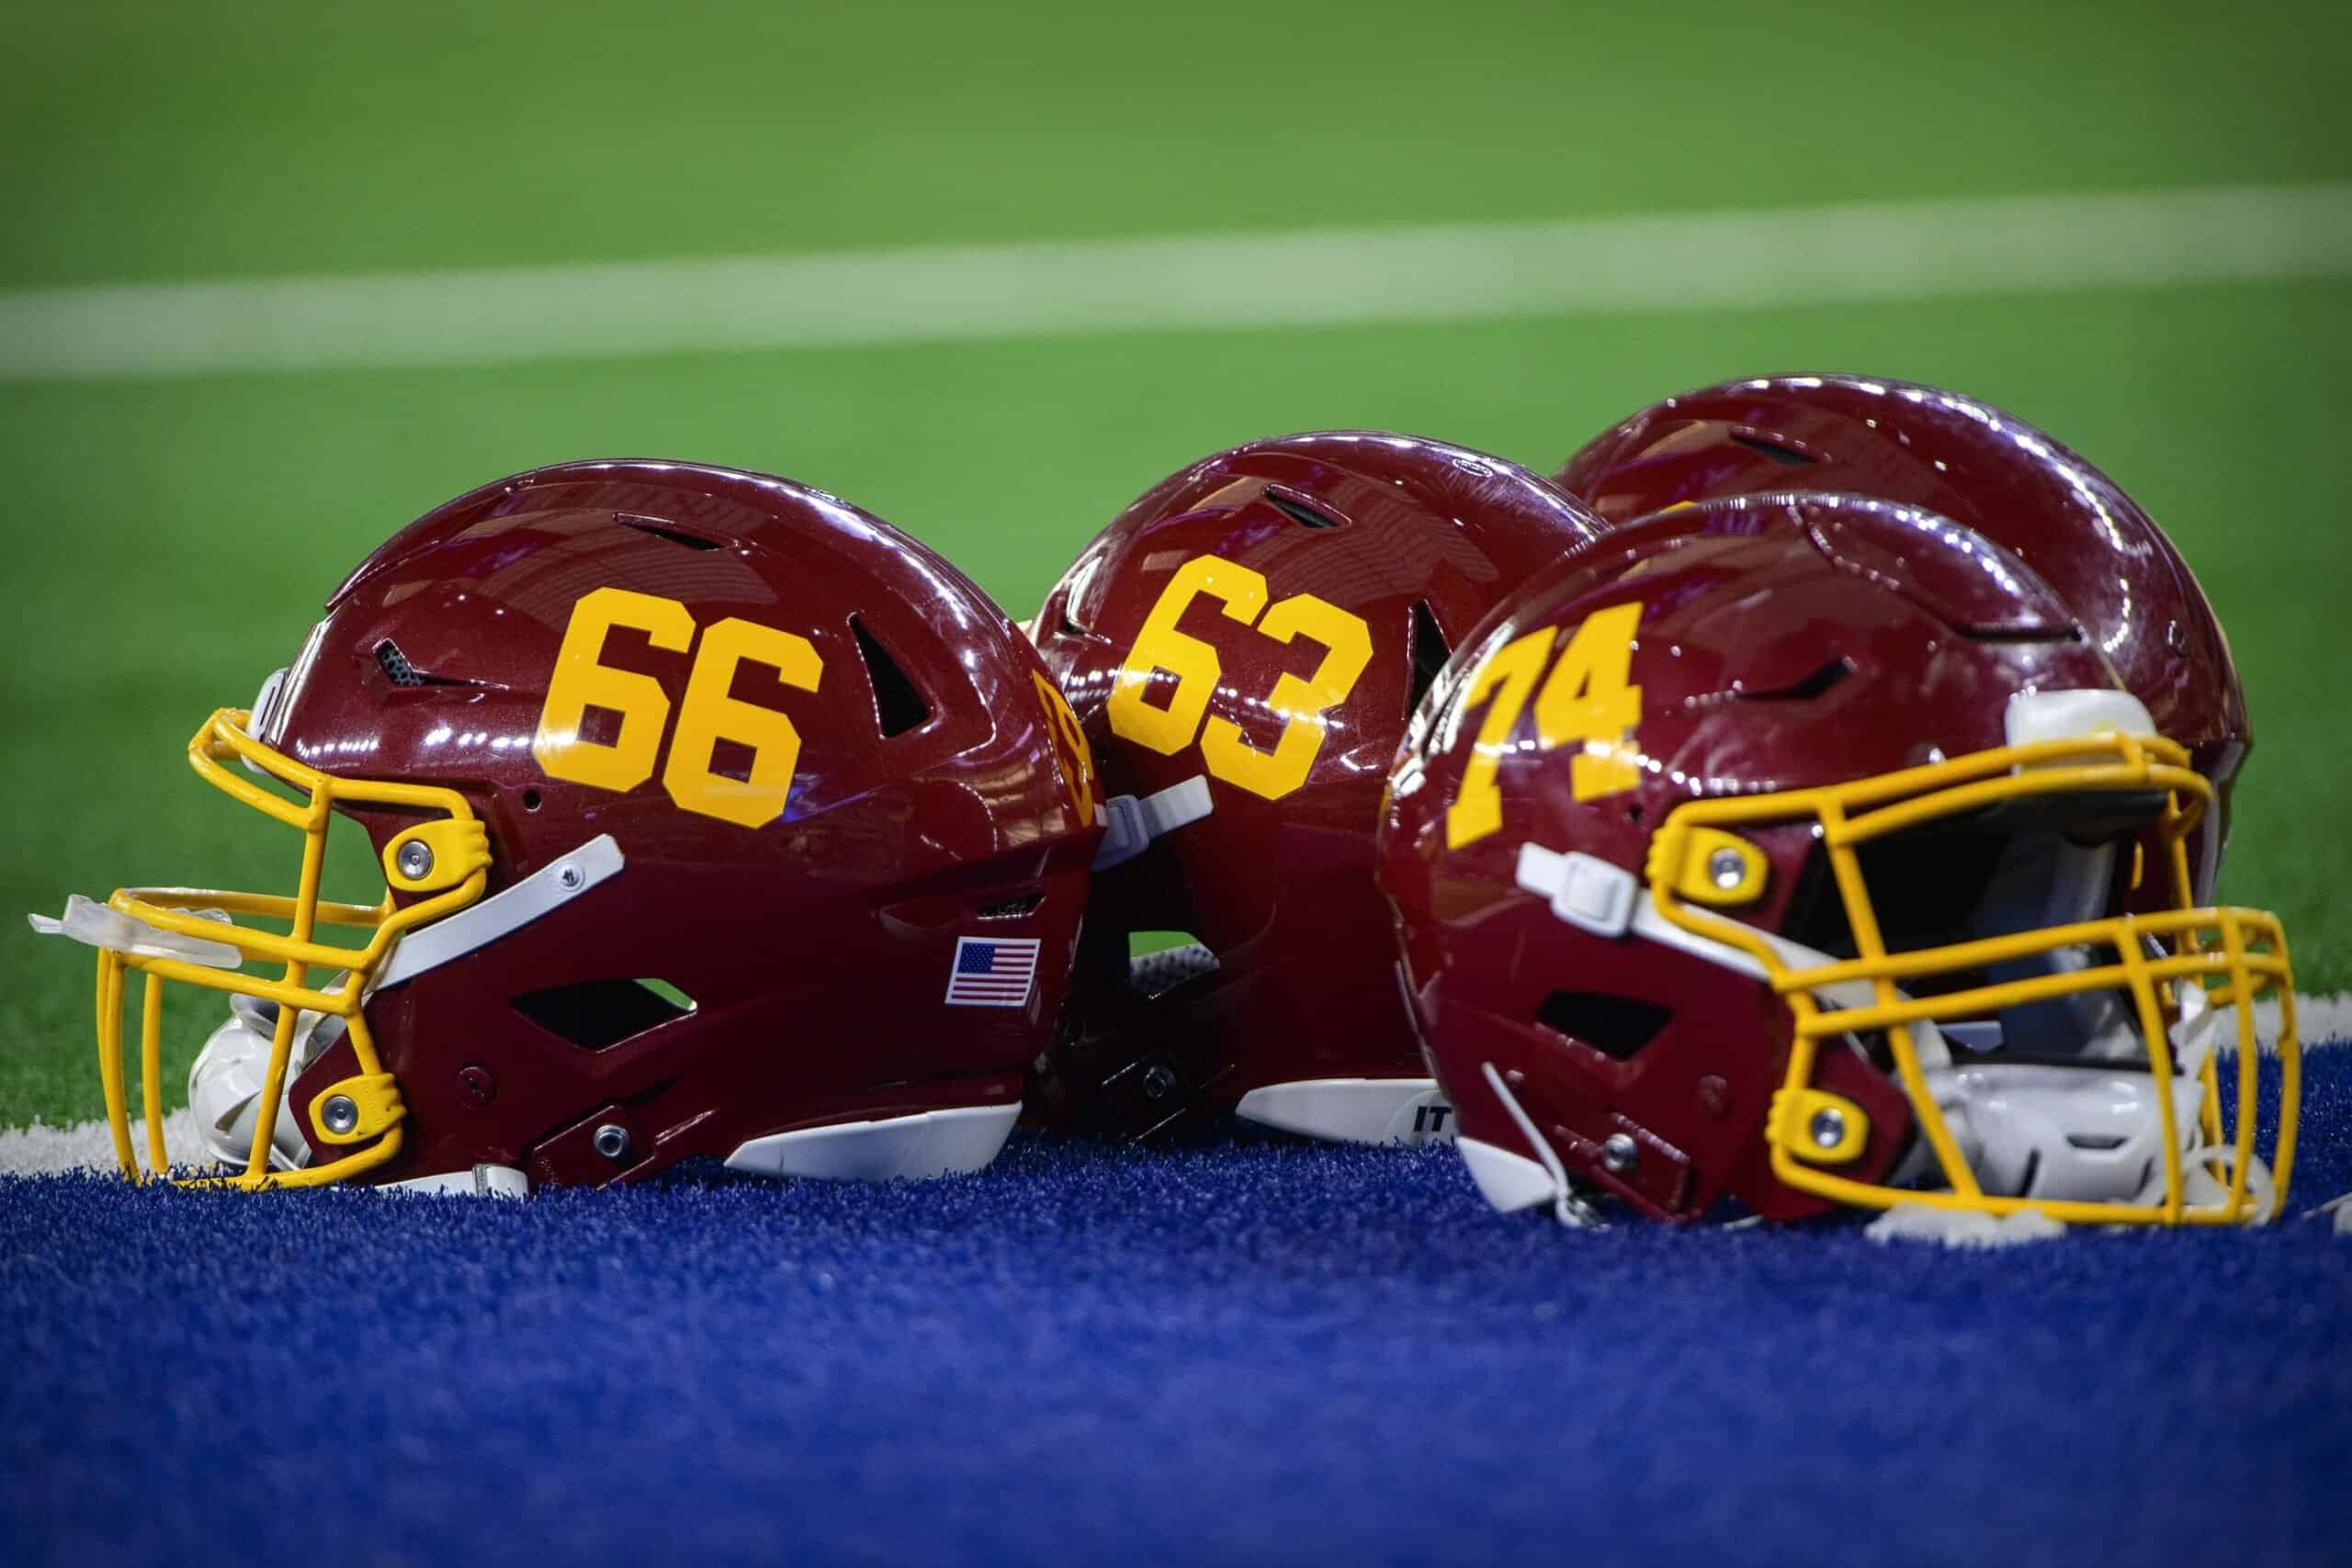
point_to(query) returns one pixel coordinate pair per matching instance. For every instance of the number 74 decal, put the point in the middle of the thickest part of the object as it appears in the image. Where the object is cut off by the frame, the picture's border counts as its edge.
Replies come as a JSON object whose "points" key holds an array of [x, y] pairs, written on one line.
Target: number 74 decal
{"points": [[1589, 698]]}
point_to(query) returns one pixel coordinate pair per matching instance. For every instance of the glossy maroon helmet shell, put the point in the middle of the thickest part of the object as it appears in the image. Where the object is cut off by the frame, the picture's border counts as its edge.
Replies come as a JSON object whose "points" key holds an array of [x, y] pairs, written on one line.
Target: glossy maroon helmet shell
{"points": [[1281, 891], [1980, 467], [1772, 653], [817, 947]]}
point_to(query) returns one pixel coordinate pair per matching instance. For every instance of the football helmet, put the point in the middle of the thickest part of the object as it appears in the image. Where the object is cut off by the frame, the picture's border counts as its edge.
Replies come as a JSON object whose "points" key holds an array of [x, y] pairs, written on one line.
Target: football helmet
{"points": [[718, 818], [1990, 471], [1777, 847], [1243, 646]]}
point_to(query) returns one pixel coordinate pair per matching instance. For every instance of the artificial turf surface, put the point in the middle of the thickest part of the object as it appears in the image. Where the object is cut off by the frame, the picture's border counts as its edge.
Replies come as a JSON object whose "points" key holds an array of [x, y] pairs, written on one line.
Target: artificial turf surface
{"points": [[1249, 1350], [1244, 1349]]}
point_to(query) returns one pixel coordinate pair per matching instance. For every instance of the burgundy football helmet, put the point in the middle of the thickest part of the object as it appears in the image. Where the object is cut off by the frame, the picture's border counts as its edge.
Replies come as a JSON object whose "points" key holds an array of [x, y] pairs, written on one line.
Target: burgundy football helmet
{"points": [[1244, 645], [2127, 587], [718, 818], [1778, 848]]}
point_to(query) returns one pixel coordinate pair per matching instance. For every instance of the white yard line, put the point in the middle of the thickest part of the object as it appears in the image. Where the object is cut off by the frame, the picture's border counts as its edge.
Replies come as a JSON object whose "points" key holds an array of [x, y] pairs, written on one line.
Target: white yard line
{"points": [[1439, 272], [43, 1150], [2319, 1020]]}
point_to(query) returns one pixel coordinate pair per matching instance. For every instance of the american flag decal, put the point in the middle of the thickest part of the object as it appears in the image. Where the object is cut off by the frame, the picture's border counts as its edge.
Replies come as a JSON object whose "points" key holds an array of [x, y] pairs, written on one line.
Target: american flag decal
{"points": [[991, 972]]}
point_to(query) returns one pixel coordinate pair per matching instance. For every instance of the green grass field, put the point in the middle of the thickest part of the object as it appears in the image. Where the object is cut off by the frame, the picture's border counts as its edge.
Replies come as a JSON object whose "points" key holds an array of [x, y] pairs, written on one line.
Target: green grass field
{"points": [[170, 539]]}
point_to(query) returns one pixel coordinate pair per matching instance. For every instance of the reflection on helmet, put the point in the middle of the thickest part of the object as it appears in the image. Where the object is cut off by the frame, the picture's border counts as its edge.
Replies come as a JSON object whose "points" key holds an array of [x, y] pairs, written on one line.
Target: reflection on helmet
{"points": [[1975, 465], [1729, 862], [715, 817], [1243, 646]]}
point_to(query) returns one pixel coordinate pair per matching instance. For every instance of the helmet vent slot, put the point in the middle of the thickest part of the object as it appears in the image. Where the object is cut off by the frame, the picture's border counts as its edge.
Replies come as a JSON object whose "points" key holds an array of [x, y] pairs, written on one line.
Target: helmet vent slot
{"points": [[595, 1014], [1814, 685], [2029, 633], [1429, 653], [1298, 512], [660, 530], [400, 673], [1615, 1026], [897, 706], [1787, 456], [395, 665], [1011, 908]]}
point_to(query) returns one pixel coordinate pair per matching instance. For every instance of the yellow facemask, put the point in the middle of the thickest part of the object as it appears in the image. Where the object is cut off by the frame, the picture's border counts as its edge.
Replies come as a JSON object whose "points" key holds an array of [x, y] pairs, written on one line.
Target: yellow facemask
{"points": [[2165, 963], [192, 935]]}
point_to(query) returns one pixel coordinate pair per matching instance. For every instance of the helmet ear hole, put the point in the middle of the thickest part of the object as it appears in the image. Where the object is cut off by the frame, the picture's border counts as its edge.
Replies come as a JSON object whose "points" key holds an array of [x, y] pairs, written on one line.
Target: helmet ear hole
{"points": [[1617, 1027], [593, 1014], [1158, 960]]}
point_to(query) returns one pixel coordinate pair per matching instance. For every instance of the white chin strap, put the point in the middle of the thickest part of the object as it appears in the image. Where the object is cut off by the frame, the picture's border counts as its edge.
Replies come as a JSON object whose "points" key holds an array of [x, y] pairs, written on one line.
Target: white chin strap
{"points": [[481, 1181]]}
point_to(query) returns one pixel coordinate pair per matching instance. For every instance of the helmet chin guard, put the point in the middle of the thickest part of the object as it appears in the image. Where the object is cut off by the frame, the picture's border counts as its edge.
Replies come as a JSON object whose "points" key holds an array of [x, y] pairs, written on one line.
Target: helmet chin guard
{"points": [[2064, 1134]]}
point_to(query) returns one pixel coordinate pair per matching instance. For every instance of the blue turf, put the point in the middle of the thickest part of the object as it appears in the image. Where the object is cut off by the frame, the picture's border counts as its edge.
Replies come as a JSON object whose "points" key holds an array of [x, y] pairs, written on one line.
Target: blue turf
{"points": [[1251, 1351]]}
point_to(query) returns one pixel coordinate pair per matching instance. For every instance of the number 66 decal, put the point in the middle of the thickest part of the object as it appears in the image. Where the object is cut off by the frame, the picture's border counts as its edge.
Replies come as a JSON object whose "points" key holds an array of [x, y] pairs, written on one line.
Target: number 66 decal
{"points": [[706, 714], [1347, 648]]}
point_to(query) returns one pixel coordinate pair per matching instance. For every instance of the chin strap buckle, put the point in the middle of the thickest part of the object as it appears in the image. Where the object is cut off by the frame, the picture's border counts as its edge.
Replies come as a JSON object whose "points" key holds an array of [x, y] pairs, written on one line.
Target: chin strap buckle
{"points": [[1584, 890]]}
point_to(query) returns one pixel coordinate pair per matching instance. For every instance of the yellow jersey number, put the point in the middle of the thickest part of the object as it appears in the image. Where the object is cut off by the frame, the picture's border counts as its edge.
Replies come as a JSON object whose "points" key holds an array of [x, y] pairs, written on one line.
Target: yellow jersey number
{"points": [[1589, 698], [1069, 746], [708, 713], [1302, 701]]}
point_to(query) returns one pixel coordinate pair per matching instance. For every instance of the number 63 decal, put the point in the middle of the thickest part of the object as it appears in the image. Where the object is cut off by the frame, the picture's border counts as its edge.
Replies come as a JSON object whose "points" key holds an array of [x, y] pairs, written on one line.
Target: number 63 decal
{"points": [[1302, 701], [707, 714], [1588, 698]]}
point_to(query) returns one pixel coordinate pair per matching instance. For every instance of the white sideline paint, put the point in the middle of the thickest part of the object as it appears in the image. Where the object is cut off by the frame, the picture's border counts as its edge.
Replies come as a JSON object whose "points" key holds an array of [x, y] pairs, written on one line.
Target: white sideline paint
{"points": [[1959, 1228], [2319, 1020], [42, 1150], [1765, 257]]}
